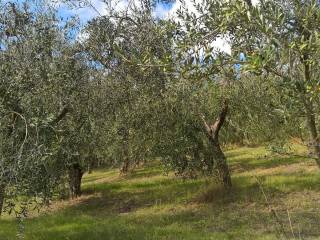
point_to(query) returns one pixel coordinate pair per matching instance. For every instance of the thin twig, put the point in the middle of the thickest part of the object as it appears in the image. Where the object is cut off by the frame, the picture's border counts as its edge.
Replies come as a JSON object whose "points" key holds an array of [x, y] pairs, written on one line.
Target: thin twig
{"points": [[26, 131]]}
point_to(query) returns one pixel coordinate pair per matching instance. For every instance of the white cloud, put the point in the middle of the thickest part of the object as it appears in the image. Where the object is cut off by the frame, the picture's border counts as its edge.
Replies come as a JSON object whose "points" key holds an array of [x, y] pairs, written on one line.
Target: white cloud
{"points": [[255, 2], [95, 8], [222, 45], [178, 4]]}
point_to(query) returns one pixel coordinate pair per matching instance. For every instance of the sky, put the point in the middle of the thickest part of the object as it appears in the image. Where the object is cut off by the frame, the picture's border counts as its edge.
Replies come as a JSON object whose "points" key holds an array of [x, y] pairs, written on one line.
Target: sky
{"points": [[162, 10]]}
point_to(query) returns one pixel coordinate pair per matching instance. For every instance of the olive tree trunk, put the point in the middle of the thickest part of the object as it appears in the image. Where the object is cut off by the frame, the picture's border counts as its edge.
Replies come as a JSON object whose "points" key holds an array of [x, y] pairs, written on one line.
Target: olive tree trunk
{"points": [[75, 177], [212, 131], [125, 166], [310, 113], [2, 192], [312, 125], [125, 148]]}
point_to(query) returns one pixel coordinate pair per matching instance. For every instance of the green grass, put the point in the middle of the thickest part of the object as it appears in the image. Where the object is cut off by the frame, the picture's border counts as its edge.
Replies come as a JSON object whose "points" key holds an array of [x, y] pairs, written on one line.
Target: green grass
{"points": [[149, 205]]}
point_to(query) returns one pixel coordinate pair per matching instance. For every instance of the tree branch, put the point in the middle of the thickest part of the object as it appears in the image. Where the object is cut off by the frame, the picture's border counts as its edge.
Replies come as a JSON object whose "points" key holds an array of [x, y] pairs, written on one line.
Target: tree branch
{"points": [[61, 115], [215, 128], [208, 129]]}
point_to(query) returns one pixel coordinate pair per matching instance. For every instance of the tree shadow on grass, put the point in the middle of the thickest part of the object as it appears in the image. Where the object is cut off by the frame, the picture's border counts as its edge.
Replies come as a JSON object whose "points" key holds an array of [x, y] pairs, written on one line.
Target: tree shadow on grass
{"points": [[145, 172], [7, 229], [148, 170], [215, 222], [161, 209], [125, 197], [142, 207], [251, 163]]}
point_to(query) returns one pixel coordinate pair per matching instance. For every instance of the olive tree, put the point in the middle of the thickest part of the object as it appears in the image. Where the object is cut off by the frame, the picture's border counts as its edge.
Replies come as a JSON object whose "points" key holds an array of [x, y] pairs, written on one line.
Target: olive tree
{"points": [[279, 39], [38, 80]]}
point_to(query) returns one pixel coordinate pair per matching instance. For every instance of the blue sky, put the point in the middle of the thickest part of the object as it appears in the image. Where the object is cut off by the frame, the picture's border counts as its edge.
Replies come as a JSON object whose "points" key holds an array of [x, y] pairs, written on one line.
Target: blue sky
{"points": [[162, 10]]}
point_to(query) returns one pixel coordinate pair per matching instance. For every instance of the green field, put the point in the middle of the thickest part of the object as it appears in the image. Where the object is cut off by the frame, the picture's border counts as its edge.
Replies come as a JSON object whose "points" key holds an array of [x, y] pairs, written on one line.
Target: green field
{"points": [[147, 204]]}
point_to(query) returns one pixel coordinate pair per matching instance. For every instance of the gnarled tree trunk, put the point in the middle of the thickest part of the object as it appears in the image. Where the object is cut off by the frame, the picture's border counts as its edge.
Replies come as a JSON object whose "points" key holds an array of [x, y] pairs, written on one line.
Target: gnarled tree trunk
{"points": [[212, 131], [75, 177], [125, 166], [310, 113], [2, 191], [312, 125]]}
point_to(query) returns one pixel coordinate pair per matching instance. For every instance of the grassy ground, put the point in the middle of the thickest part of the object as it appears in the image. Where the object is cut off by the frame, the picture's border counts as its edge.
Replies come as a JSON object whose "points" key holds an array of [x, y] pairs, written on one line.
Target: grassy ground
{"points": [[149, 205]]}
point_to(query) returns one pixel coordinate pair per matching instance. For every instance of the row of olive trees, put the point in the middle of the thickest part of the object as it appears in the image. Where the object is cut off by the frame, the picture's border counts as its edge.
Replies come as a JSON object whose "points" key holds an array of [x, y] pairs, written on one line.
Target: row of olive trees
{"points": [[269, 95], [135, 88], [169, 92], [173, 92]]}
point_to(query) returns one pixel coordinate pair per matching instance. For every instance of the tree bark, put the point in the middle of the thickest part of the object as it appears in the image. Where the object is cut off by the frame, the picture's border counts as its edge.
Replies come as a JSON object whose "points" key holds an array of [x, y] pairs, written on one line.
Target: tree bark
{"points": [[312, 125], [218, 156], [310, 113], [75, 177], [2, 191], [221, 164], [125, 166], [61, 115]]}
